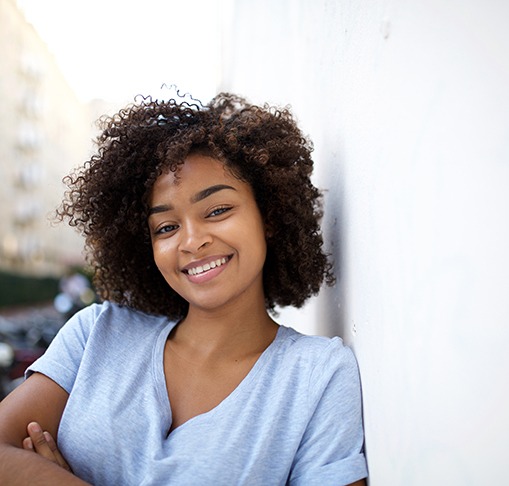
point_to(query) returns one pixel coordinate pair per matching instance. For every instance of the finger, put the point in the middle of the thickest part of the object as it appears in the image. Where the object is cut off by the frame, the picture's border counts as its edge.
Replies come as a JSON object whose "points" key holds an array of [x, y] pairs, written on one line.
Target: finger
{"points": [[39, 442], [53, 447], [27, 444]]}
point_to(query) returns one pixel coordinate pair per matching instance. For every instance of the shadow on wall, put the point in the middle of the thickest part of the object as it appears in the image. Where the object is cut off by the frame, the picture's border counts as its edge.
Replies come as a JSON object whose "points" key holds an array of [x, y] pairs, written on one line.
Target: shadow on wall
{"points": [[331, 308]]}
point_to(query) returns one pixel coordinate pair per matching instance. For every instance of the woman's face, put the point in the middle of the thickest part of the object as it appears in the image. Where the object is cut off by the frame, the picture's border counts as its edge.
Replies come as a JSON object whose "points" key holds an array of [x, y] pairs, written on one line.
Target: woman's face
{"points": [[208, 236]]}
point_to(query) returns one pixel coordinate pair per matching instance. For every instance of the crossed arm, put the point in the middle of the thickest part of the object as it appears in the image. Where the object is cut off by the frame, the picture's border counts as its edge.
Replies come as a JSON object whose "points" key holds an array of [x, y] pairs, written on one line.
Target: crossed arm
{"points": [[39, 400], [44, 444]]}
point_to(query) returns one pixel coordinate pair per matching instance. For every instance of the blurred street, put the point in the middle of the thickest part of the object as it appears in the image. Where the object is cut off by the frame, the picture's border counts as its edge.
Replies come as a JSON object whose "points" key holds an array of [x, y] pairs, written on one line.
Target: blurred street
{"points": [[25, 333], [26, 314]]}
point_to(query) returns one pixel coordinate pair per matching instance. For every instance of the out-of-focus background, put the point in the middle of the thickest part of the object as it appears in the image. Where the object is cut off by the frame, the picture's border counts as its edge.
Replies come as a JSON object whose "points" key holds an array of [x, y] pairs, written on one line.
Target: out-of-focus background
{"points": [[407, 103], [64, 64]]}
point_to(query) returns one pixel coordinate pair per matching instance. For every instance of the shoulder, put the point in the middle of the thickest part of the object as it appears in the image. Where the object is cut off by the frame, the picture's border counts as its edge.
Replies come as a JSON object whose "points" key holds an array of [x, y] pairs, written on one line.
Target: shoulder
{"points": [[325, 361], [328, 352], [111, 318]]}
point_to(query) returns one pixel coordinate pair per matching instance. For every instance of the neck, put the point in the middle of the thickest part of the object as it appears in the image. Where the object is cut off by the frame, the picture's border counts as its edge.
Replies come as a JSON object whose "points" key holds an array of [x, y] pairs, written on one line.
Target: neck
{"points": [[226, 333]]}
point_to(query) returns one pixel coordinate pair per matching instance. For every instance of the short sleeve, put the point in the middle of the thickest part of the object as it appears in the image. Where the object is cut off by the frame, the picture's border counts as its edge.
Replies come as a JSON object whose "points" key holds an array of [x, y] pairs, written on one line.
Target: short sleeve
{"points": [[62, 359], [331, 450]]}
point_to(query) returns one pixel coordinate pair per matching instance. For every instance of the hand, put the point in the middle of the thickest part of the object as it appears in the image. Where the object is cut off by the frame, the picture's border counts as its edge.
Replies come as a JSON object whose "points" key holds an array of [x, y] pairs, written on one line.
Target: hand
{"points": [[43, 444]]}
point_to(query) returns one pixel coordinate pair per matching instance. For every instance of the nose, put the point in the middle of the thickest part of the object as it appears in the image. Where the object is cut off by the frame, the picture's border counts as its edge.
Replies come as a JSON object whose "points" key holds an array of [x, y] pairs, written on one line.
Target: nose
{"points": [[194, 237]]}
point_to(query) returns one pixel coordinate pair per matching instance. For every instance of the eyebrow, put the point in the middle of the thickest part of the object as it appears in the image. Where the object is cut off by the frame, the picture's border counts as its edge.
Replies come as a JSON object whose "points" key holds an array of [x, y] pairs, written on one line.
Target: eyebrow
{"points": [[209, 191], [199, 196]]}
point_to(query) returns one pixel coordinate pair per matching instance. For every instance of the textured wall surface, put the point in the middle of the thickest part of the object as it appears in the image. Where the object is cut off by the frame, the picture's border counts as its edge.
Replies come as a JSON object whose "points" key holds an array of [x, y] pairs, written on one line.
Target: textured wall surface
{"points": [[407, 103]]}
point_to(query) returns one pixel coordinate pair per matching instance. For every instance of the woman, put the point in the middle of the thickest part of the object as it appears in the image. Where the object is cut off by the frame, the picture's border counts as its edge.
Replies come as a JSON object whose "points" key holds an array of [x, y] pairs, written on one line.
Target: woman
{"points": [[199, 220]]}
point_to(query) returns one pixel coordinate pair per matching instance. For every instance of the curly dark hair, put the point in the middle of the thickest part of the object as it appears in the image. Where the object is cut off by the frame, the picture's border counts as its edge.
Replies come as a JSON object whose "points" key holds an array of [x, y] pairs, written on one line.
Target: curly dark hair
{"points": [[107, 199]]}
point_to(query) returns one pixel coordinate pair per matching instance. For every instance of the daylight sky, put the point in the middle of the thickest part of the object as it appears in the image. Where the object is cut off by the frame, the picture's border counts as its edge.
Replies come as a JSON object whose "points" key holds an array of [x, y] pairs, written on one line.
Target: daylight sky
{"points": [[115, 49]]}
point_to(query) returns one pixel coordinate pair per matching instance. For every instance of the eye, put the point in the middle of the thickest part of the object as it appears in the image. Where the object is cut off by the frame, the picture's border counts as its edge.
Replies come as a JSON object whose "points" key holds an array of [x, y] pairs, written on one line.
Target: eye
{"points": [[166, 229], [219, 211]]}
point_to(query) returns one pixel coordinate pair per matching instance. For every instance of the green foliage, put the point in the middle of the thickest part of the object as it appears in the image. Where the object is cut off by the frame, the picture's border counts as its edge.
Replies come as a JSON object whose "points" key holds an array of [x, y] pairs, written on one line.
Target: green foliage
{"points": [[20, 290]]}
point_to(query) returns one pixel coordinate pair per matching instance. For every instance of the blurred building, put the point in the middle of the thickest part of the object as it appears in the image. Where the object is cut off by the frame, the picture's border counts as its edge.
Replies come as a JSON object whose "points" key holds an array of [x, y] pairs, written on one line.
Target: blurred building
{"points": [[45, 131]]}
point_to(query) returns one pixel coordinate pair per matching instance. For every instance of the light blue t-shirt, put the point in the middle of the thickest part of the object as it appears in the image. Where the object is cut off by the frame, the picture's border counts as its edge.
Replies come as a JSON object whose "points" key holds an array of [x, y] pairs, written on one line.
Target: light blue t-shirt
{"points": [[295, 418]]}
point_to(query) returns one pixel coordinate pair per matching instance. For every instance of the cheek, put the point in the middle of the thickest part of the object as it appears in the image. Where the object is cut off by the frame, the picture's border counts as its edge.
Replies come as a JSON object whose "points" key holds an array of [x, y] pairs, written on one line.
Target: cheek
{"points": [[256, 239], [164, 256]]}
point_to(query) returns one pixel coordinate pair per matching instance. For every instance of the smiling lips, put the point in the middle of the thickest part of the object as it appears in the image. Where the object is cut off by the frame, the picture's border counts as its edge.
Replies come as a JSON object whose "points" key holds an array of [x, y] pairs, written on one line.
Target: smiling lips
{"points": [[207, 270], [207, 266]]}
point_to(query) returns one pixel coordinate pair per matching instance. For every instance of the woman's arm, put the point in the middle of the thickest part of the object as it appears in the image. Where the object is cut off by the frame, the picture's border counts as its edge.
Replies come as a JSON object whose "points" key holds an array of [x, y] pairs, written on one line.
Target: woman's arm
{"points": [[39, 399], [42, 443]]}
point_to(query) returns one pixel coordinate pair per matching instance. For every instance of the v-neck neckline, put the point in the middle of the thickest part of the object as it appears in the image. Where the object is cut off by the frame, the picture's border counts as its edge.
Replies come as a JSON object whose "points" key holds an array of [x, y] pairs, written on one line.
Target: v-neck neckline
{"points": [[162, 390]]}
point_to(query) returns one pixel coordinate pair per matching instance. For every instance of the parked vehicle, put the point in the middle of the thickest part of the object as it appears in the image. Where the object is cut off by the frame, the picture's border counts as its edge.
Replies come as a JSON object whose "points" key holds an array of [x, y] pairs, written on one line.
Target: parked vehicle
{"points": [[23, 339], [6, 361]]}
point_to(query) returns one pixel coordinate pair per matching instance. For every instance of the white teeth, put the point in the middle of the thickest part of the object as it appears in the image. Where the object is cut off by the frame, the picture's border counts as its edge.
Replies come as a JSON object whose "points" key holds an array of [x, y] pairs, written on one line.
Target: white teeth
{"points": [[200, 269]]}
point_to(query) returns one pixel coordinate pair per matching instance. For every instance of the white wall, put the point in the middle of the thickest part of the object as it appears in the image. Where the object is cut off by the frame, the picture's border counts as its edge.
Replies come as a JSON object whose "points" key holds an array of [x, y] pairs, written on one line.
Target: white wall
{"points": [[408, 105]]}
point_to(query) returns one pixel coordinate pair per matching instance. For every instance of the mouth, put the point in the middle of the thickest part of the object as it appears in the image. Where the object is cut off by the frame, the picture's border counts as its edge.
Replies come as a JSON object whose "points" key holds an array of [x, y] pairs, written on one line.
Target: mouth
{"points": [[199, 269]]}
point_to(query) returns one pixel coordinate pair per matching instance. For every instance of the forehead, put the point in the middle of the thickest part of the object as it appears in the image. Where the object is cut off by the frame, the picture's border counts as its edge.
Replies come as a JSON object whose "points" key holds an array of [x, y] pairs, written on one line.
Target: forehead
{"points": [[196, 166], [197, 171]]}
